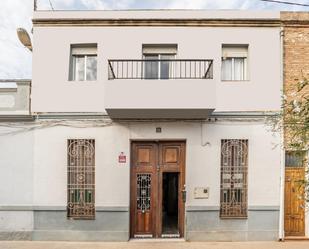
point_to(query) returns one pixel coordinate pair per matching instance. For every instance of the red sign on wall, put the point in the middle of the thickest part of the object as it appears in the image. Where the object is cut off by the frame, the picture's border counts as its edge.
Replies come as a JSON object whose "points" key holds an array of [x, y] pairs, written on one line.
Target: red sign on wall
{"points": [[122, 158]]}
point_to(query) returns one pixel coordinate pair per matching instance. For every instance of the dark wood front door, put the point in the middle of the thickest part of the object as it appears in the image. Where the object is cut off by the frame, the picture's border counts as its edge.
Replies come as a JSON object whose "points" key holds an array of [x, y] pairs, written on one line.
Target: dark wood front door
{"points": [[151, 164]]}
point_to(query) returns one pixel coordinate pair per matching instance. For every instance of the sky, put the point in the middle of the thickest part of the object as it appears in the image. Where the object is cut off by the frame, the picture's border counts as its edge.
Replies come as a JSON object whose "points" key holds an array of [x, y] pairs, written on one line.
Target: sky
{"points": [[16, 60]]}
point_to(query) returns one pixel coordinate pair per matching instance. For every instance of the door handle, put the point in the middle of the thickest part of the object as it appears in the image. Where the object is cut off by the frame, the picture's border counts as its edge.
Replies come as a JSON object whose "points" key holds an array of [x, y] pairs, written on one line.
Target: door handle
{"points": [[184, 194]]}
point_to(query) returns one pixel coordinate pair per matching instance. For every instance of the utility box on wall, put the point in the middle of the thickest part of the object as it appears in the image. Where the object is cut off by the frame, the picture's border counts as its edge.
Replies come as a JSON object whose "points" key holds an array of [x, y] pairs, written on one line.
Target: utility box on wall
{"points": [[201, 193]]}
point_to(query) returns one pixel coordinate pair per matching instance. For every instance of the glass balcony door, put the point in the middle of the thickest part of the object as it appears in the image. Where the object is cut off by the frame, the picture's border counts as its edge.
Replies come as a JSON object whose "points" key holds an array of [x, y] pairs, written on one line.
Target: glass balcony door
{"points": [[158, 66]]}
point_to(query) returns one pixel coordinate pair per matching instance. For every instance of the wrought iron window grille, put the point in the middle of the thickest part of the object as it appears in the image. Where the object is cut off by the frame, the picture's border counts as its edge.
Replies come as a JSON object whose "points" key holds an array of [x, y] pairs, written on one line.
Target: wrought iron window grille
{"points": [[234, 175], [81, 179]]}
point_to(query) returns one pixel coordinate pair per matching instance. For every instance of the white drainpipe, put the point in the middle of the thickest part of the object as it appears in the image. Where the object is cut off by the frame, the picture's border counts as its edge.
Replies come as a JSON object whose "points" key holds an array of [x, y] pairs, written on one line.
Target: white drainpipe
{"points": [[282, 163]]}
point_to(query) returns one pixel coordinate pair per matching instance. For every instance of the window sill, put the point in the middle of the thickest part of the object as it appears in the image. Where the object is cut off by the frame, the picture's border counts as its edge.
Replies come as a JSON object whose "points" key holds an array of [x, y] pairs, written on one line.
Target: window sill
{"points": [[234, 218], [82, 81], [236, 81]]}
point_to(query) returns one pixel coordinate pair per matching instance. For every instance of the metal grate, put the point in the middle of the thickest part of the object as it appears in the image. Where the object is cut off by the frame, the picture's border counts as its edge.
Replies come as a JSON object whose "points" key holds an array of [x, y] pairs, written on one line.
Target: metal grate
{"points": [[81, 178], [234, 167], [143, 192]]}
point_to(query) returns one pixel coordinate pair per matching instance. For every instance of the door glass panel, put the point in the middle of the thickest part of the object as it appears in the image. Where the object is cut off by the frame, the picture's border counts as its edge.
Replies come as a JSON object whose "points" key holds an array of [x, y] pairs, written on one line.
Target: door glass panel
{"points": [[143, 185], [151, 67], [166, 66]]}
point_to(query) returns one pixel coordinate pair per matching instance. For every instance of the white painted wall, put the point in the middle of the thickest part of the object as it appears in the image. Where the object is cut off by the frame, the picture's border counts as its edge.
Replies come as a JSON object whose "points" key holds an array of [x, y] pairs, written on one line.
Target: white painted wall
{"points": [[202, 162], [16, 184], [50, 165], [52, 92], [160, 14], [16, 163]]}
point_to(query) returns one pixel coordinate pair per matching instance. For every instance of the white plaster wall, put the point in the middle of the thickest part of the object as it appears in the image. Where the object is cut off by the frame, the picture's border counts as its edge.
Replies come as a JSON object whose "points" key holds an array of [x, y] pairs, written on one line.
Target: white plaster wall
{"points": [[52, 51], [16, 163], [160, 14], [202, 162], [50, 165]]}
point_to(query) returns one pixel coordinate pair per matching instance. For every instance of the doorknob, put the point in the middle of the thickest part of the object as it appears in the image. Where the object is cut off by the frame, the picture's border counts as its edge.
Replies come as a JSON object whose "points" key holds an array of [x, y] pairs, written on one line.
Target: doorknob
{"points": [[184, 193]]}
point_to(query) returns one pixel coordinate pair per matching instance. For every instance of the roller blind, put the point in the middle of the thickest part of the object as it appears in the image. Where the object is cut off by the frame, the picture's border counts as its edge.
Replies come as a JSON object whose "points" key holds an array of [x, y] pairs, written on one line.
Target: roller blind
{"points": [[160, 49], [235, 51], [84, 50]]}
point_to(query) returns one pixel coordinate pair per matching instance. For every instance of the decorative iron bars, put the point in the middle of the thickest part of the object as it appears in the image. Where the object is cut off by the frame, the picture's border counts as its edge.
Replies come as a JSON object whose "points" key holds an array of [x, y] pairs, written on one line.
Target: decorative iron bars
{"points": [[160, 69], [81, 179], [295, 159], [234, 170], [143, 186]]}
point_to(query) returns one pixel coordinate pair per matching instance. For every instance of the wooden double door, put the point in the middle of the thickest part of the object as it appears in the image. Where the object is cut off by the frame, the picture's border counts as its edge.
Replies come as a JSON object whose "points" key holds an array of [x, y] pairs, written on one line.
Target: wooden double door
{"points": [[157, 185], [294, 203]]}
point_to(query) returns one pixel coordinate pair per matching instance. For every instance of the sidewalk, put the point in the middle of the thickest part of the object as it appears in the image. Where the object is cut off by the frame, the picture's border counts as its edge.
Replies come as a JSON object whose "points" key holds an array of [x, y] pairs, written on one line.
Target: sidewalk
{"points": [[152, 245]]}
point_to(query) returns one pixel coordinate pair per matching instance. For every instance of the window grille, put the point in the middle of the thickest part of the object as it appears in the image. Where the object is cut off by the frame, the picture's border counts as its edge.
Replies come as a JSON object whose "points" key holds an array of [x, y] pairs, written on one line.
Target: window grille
{"points": [[81, 179], [234, 170]]}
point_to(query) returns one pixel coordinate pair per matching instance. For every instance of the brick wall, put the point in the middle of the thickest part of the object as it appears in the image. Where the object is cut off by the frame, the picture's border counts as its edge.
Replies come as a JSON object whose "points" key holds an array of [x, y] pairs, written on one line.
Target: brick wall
{"points": [[296, 52]]}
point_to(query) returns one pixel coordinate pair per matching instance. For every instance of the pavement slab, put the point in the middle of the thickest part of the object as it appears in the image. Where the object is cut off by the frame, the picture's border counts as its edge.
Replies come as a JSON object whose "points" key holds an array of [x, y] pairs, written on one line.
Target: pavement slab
{"points": [[152, 245]]}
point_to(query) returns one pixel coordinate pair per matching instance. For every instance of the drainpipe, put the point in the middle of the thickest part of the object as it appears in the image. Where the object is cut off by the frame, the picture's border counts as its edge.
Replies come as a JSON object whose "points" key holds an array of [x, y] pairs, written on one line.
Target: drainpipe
{"points": [[282, 159]]}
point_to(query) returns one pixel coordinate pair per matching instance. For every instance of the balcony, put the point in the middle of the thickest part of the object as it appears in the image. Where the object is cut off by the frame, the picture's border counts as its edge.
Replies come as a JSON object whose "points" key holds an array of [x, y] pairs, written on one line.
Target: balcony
{"points": [[160, 89], [14, 99]]}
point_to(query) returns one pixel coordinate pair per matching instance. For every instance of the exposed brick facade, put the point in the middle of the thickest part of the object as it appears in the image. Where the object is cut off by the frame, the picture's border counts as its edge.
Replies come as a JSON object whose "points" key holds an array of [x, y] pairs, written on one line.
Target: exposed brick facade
{"points": [[296, 52]]}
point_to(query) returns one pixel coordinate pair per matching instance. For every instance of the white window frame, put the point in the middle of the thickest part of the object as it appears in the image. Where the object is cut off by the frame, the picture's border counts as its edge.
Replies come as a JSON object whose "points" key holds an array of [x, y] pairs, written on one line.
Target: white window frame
{"points": [[245, 69], [82, 51], [232, 52], [173, 56], [75, 72]]}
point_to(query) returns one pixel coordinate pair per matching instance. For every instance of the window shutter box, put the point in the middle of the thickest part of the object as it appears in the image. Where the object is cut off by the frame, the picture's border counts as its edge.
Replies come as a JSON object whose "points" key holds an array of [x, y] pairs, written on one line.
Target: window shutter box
{"points": [[235, 51], [84, 50], [160, 49]]}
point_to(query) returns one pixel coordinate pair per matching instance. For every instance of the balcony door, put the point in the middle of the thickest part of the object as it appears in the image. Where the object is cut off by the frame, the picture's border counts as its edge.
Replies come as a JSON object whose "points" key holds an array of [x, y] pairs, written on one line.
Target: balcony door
{"points": [[158, 66], [157, 189]]}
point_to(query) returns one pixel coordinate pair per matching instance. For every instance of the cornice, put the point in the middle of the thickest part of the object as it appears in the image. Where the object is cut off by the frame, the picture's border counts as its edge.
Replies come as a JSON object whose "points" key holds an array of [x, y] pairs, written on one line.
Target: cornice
{"points": [[79, 22]]}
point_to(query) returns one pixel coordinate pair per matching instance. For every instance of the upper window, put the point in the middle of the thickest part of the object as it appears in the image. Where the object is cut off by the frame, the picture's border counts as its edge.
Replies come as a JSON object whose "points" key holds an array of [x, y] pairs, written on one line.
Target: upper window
{"points": [[83, 63], [159, 61], [234, 62]]}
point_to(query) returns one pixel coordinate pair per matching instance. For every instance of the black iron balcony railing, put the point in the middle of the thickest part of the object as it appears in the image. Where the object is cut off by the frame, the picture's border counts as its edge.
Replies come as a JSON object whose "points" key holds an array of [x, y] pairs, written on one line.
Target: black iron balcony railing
{"points": [[160, 69]]}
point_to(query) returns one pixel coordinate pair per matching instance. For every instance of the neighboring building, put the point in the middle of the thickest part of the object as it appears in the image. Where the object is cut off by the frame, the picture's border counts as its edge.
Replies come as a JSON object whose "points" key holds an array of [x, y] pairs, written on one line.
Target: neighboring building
{"points": [[16, 160], [150, 124], [296, 68]]}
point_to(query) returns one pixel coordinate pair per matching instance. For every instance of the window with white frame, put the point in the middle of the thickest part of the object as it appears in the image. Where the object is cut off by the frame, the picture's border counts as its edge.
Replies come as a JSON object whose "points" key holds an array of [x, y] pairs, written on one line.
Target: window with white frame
{"points": [[83, 66], [234, 63], [159, 60]]}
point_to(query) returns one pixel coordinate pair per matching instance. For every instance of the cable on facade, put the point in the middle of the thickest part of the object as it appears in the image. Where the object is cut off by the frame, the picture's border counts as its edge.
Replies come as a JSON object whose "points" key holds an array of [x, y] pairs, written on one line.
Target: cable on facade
{"points": [[51, 4], [286, 2]]}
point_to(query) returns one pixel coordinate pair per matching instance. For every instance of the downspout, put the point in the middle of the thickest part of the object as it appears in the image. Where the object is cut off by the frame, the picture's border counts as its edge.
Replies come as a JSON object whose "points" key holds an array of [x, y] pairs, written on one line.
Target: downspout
{"points": [[282, 151]]}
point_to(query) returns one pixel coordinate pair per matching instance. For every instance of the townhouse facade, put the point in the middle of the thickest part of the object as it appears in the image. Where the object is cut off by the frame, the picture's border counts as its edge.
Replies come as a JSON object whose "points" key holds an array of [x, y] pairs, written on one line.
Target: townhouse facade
{"points": [[296, 36], [147, 124]]}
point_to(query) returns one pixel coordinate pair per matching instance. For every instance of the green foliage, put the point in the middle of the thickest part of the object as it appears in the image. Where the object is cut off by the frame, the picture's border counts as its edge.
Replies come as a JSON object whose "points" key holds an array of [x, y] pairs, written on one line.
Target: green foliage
{"points": [[296, 116]]}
